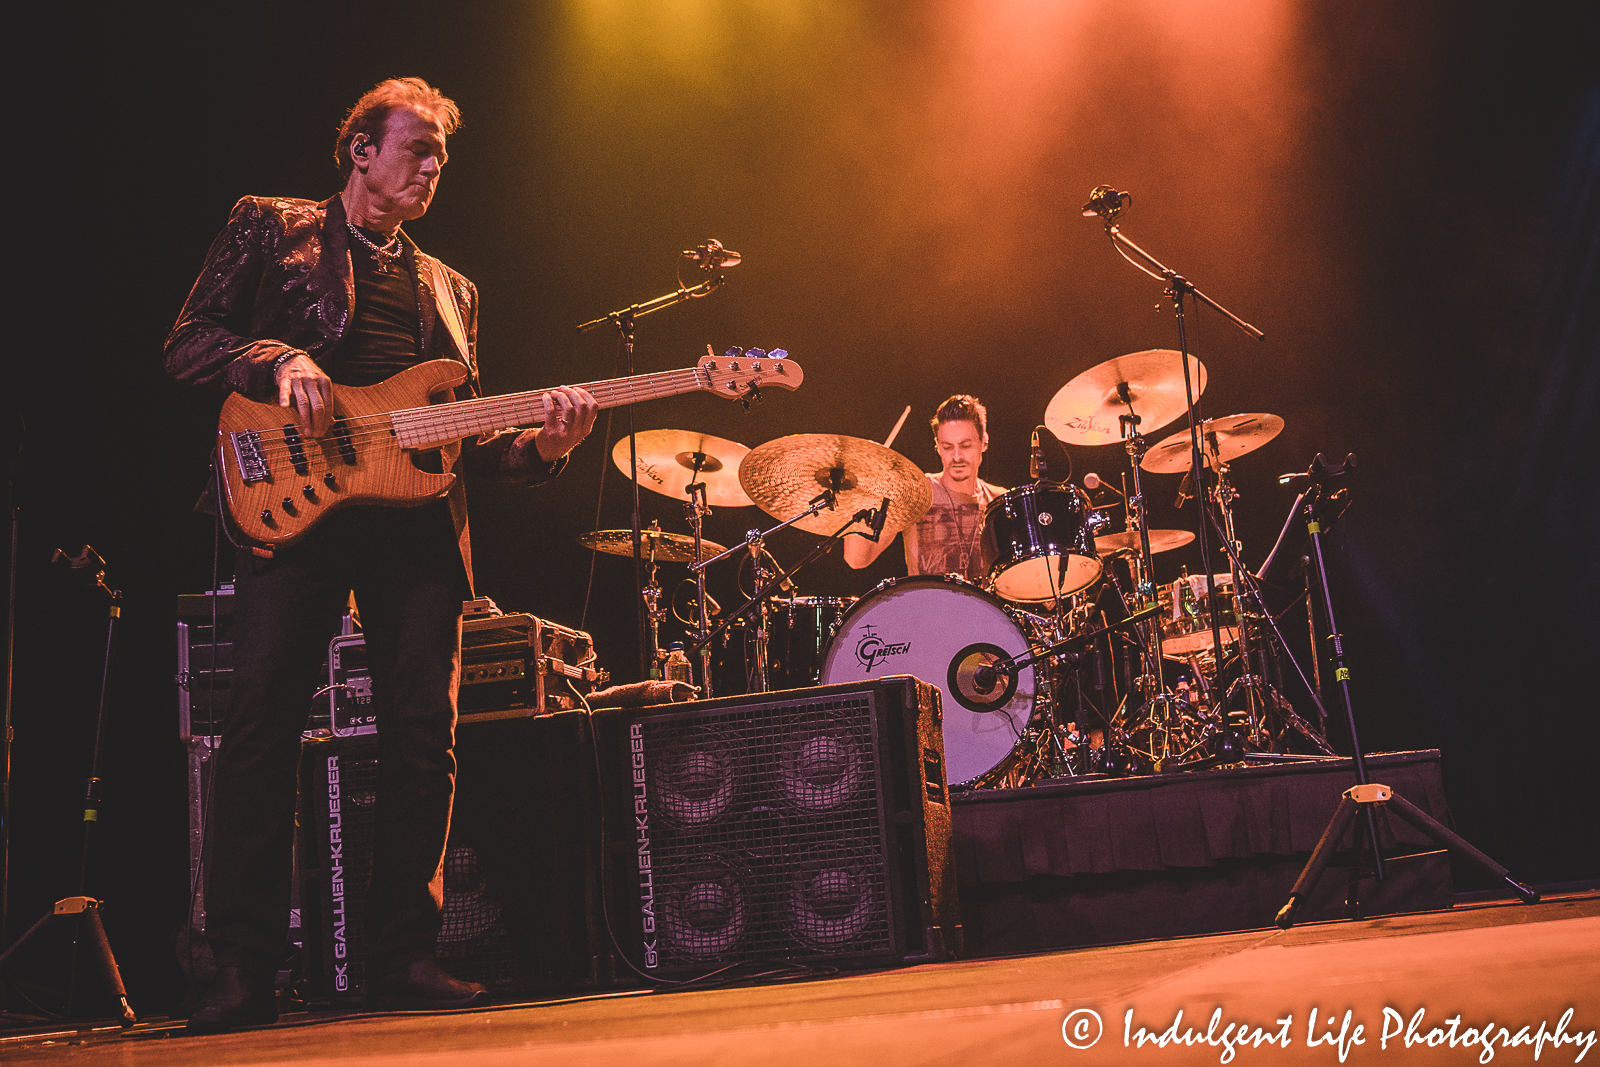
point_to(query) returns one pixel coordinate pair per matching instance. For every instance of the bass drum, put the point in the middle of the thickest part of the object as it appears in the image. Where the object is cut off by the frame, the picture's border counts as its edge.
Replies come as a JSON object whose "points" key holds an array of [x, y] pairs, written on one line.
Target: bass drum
{"points": [[942, 630]]}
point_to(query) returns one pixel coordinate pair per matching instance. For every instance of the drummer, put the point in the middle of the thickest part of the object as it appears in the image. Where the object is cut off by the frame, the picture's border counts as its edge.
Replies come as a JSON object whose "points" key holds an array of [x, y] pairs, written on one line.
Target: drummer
{"points": [[949, 537]]}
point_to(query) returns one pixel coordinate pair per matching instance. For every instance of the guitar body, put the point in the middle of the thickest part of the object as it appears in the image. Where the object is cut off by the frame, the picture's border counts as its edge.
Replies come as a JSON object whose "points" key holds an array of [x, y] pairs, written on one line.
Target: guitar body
{"points": [[303, 478], [277, 482]]}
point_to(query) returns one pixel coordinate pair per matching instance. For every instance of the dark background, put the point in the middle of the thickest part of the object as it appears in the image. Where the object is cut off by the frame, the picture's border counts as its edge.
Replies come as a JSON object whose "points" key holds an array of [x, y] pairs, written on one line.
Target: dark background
{"points": [[1403, 197]]}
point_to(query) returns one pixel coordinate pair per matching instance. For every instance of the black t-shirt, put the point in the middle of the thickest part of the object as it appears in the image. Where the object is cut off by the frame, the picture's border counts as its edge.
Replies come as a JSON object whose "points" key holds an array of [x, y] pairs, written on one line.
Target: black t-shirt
{"points": [[385, 334]]}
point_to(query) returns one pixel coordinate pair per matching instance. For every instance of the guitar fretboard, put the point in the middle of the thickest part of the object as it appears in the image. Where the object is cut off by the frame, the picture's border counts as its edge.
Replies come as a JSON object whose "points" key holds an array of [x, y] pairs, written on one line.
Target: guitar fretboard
{"points": [[438, 424]]}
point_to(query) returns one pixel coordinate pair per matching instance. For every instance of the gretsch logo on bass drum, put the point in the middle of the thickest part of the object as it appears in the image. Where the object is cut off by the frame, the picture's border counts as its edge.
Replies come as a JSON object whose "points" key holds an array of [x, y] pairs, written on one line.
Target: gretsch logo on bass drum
{"points": [[872, 650]]}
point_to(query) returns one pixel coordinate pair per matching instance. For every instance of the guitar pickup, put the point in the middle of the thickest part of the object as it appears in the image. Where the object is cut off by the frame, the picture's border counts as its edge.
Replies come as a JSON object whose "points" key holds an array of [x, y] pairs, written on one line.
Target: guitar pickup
{"points": [[341, 435], [247, 454], [297, 449]]}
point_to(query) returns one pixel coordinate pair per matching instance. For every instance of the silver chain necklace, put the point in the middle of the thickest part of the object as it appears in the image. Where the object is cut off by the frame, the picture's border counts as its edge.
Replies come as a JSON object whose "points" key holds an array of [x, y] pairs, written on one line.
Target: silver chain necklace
{"points": [[386, 254], [962, 538]]}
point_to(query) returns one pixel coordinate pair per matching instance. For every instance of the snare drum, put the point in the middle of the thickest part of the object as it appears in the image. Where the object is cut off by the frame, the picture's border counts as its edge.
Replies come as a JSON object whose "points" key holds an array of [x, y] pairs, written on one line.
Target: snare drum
{"points": [[1041, 541], [1185, 622], [941, 630]]}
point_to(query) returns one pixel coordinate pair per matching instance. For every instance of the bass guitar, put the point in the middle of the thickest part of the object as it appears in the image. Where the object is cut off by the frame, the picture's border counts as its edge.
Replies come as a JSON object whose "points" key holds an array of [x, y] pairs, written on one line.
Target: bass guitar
{"points": [[278, 481]]}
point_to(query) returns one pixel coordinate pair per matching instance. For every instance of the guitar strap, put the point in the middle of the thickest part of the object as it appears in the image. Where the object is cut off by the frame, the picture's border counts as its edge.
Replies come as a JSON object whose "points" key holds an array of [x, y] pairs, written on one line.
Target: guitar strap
{"points": [[444, 297]]}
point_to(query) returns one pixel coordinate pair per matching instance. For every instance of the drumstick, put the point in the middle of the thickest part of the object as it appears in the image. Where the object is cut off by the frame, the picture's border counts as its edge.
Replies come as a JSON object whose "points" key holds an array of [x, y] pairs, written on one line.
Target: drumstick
{"points": [[896, 431]]}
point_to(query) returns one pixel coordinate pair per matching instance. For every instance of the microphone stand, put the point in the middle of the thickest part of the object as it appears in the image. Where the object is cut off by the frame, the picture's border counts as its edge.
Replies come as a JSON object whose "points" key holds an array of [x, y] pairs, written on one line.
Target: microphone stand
{"points": [[83, 910], [1178, 287], [1365, 796], [624, 320]]}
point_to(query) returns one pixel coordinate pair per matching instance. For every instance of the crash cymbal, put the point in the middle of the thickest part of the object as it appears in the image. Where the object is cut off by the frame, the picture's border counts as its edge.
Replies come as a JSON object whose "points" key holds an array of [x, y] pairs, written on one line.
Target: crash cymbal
{"points": [[666, 464], [783, 476], [1128, 541], [657, 545], [1086, 409], [1221, 440]]}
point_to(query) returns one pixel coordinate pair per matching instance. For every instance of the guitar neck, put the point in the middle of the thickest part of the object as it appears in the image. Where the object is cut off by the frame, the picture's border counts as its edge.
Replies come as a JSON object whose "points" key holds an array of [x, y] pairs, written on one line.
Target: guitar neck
{"points": [[440, 424]]}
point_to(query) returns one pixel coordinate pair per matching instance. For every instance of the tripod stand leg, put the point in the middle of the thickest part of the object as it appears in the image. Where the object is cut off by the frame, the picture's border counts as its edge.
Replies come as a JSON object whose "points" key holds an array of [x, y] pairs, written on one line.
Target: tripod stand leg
{"points": [[1442, 835], [24, 939], [1318, 862], [1352, 894], [101, 947]]}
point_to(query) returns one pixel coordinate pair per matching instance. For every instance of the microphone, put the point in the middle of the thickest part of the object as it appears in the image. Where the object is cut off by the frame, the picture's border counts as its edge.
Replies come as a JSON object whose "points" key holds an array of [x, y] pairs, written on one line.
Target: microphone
{"points": [[1037, 467], [711, 255], [985, 678], [1094, 481], [1106, 202], [879, 518], [1184, 494]]}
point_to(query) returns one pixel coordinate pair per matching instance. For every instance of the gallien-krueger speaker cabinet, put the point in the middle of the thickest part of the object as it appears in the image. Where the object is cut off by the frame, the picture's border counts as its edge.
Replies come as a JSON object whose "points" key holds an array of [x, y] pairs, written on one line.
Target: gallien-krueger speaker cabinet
{"points": [[809, 826]]}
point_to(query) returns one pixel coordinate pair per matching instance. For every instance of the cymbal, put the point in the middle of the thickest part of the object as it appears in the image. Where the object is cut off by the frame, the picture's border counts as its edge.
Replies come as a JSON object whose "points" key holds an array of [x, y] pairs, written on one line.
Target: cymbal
{"points": [[1085, 410], [1221, 440], [785, 475], [666, 464], [1128, 541], [657, 545]]}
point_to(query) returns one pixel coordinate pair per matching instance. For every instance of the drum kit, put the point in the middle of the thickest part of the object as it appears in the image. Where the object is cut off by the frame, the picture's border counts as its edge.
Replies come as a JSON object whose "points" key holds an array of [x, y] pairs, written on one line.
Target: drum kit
{"points": [[1067, 660]]}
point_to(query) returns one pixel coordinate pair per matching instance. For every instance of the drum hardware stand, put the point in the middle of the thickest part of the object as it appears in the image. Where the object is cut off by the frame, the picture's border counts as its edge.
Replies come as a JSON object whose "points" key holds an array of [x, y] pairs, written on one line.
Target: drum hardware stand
{"points": [[696, 508], [1248, 592], [711, 257], [754, 542], [83, 910], [654, 612]]}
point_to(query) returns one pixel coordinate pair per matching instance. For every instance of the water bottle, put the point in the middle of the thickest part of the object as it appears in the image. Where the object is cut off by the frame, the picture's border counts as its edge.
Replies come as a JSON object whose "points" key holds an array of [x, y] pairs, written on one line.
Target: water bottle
{"points": [[678, 669]]}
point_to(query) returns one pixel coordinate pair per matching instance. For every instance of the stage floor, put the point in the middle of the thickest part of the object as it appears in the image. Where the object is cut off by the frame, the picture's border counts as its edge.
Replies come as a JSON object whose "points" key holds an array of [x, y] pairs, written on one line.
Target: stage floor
{"points": [[1507, 964]]}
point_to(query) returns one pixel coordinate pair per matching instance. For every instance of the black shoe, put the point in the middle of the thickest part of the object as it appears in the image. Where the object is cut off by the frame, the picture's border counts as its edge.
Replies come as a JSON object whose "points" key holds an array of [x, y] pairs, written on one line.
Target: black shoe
{"points": [[238, 997], [424, 986]]}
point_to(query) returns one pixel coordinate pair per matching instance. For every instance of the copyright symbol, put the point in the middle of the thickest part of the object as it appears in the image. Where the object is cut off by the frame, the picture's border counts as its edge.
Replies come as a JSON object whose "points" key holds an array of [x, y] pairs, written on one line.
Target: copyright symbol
{"points": [[1081, 1029]]}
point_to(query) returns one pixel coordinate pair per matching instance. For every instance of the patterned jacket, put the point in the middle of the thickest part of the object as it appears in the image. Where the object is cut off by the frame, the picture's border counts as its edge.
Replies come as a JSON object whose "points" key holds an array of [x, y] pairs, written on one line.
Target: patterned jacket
{"points": [[278, 278]]}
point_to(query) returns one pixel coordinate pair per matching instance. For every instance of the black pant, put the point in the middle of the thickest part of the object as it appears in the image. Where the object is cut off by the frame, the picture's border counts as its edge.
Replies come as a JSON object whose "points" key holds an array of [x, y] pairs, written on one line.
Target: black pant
{"points": [[405, 569]]}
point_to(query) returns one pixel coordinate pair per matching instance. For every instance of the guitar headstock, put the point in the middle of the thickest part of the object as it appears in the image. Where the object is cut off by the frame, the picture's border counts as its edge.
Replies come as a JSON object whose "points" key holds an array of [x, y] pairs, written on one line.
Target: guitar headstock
{"points": [[741, 373]]}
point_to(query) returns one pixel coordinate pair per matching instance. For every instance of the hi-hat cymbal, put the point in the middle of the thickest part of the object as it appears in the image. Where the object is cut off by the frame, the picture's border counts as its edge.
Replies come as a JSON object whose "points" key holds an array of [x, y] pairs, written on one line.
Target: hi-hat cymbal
{"points": [[667, 465], [1148, 384], [785, 475], [657, 545], [1221, 440], [1128, 541]]}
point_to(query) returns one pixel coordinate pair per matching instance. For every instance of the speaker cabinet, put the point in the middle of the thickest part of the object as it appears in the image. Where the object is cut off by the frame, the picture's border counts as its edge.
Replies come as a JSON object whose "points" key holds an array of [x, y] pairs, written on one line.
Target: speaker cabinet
{"points": [[808, 826], [521, 911]]}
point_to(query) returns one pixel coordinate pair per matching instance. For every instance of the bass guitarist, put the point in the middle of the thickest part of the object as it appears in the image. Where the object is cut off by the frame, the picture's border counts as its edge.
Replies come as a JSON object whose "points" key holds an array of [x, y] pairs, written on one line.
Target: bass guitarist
{"points": [[295, 297]]}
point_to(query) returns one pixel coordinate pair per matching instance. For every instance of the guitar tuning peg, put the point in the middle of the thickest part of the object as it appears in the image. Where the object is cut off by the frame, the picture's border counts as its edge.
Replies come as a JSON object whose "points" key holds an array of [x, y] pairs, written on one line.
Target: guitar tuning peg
{"points": [[778, 353], [755, 353], [733, 353]]}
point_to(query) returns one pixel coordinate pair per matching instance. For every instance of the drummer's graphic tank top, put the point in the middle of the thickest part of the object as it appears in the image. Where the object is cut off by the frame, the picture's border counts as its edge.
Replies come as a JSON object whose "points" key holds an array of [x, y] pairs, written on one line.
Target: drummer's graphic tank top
{"points": [[950, 535]]}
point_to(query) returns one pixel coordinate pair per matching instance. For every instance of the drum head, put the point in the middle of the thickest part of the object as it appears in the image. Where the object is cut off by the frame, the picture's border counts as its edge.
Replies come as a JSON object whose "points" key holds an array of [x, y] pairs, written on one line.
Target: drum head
{"points": [[943, 631], [1044, 578]]}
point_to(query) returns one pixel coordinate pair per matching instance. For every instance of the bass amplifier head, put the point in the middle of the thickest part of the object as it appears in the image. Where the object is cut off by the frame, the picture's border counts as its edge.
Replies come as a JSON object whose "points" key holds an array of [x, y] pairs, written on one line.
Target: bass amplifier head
{"points": [[808, 826]]}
